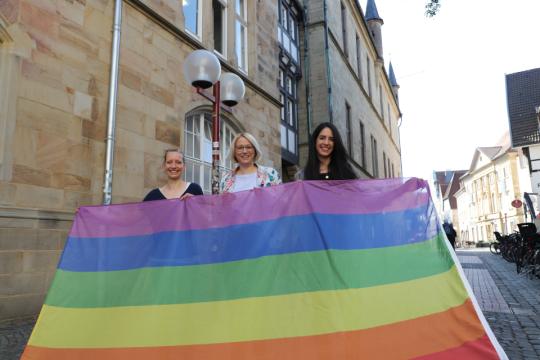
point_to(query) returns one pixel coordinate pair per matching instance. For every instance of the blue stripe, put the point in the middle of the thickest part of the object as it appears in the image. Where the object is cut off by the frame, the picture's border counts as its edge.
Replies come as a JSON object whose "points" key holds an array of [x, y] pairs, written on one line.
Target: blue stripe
{"points": [[312, 232]]}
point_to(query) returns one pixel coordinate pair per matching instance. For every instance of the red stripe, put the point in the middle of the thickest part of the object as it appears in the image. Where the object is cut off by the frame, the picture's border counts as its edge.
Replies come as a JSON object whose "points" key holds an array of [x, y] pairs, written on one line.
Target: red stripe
{"points": [[480, 349]]}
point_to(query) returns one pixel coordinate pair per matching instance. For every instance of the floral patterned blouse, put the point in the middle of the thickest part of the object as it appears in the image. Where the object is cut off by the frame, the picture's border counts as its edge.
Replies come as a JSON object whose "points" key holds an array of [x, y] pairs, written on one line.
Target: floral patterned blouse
{"points": [[266, 176]]}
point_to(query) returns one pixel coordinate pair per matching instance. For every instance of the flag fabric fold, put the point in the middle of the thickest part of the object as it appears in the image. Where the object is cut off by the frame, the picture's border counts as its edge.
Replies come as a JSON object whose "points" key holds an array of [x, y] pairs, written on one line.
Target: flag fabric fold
{"points": [[306, 270]]}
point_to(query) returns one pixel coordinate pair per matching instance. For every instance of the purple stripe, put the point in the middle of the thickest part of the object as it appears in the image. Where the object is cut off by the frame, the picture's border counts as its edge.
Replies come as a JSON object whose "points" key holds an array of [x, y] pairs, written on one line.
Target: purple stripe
{"points": [[298, 198]]}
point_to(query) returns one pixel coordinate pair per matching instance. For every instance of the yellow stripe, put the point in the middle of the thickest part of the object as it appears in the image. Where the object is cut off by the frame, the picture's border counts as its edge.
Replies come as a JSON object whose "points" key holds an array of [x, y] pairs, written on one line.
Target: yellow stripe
{"points": [[247, 319]]}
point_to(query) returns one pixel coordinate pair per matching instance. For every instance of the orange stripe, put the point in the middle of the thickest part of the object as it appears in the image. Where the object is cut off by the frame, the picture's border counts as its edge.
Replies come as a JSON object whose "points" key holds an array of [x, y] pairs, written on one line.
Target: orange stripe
{"points": [[403, 340], [480, 349]]}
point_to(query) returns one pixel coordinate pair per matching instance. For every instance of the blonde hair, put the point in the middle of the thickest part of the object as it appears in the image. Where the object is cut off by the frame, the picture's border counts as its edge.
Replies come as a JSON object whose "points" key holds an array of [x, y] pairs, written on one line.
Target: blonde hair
{"points": [[252, 140], [172, 150]]}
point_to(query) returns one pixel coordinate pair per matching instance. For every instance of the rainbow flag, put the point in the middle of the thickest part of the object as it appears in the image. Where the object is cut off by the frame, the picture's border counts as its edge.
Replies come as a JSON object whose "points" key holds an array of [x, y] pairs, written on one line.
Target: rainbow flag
{"points": [[305, 270]]}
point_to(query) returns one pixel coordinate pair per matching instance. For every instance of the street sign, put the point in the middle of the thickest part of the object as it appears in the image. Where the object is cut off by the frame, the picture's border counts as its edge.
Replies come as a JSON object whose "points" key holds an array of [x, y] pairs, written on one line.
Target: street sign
{"points": [[517, 203]]}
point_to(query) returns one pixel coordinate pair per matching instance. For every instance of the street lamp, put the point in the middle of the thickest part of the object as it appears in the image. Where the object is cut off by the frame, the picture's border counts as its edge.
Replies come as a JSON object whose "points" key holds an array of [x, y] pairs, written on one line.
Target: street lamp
{"points": [[202, 70]]}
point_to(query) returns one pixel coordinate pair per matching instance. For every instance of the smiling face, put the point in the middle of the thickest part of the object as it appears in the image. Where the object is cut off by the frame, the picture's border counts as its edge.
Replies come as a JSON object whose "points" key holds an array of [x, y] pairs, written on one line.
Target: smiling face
{"points": [[324, 145], [173, 165], [244, 152]]}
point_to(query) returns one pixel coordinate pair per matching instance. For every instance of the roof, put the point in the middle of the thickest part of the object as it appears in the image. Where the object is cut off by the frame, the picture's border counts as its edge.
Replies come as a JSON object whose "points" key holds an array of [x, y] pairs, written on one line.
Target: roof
{"points": [[491, 151], [392, 76], [522, 97], [441, 180], [371, 11], [453, 187]]}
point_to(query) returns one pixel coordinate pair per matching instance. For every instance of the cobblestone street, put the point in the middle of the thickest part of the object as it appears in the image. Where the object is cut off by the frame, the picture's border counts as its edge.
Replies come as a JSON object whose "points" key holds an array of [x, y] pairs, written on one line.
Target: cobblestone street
{"points": [[13, 337], [510, 302]]}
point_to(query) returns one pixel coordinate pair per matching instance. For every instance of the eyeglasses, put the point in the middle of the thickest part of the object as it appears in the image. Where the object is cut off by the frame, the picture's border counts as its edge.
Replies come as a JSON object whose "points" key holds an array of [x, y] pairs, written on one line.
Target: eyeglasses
{"points": [[246, 148]]}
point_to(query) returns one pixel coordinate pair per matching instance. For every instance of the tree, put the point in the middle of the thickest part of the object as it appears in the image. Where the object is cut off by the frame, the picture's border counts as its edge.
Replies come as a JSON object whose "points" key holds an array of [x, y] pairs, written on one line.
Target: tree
{"points": [[432, 7]]}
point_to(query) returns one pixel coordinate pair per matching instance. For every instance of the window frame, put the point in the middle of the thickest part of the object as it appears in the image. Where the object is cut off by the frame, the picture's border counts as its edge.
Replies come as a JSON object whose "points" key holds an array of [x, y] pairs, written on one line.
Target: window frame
{"points": [[363, 144], [374, 157], [348, 127], [224, 27], [368, 62], [198, 31], [241, 22], [385, 167], [289, 19], [358, 58], [344, 33], [227, 133]]}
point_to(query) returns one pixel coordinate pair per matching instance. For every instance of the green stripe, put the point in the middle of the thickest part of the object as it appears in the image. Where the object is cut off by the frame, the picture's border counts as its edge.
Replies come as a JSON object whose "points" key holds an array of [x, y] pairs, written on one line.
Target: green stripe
{"points": [[266, 276]]}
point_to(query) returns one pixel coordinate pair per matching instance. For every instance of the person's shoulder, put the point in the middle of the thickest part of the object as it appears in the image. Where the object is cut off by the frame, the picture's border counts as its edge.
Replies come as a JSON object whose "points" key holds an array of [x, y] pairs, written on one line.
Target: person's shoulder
{"points": [[194, 189], [154, 194], [268, 170]]}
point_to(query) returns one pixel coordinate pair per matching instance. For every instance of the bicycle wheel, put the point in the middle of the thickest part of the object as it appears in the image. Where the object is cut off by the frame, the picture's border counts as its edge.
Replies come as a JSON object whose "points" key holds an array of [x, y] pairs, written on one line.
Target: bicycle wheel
{"points": [[494, 248]]}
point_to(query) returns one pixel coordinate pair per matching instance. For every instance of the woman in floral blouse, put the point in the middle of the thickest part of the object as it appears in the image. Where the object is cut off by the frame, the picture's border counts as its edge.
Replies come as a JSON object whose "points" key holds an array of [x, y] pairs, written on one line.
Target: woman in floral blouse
{"points": [[245, 152]]}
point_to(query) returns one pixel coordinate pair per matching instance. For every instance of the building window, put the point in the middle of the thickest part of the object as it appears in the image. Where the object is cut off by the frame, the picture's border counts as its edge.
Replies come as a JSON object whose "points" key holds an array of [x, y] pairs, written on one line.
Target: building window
{"points": [[368, 64], [384, 164], [198, 149], [381, 108], [362, 145], [220, 26], [358, 58], [289, 75], [349, 132], [192, 16], [288, 31], [344, 29], [388, 166], [241, 34], [392, 173], [289, 124], [374, 157], [389, 120]]}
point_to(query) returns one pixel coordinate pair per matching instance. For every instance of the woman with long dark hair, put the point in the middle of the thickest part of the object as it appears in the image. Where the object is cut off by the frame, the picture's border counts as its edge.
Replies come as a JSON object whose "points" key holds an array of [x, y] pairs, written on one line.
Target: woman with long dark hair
{"points": [[327, 158]]}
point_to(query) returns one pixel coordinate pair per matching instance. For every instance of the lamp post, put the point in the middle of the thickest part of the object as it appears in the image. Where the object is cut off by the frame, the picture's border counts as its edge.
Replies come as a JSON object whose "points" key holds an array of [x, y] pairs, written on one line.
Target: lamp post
{"points": [[202, 71]]}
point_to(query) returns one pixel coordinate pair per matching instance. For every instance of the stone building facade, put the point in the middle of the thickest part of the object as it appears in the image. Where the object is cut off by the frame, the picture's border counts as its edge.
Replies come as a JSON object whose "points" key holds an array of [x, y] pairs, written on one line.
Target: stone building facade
{"points": [[54, 71], [321, 59], [344, 80]]}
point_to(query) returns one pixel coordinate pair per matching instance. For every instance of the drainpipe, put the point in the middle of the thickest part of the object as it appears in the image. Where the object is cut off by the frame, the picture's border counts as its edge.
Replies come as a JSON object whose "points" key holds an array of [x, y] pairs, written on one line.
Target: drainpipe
{"points": [[111, 111], [327, 58], [307, 67]]}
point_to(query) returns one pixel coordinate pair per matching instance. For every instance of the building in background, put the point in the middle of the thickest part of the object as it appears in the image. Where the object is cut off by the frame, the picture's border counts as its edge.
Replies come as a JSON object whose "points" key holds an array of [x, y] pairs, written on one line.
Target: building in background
{"points": [[302, 63], [449, 208], [487, 189], [441, 180], [343, 80], [523, 102]]}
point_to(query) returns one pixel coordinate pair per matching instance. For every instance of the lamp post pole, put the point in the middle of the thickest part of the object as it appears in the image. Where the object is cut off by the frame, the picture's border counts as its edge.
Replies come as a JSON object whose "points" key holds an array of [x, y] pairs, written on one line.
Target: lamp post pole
{"points": [[215, 138], [203, 70]]}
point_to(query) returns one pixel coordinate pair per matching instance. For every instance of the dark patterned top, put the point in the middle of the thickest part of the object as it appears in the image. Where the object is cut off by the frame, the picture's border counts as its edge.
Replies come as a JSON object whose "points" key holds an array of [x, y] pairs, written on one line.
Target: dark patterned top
{"points": [[156, 194]]}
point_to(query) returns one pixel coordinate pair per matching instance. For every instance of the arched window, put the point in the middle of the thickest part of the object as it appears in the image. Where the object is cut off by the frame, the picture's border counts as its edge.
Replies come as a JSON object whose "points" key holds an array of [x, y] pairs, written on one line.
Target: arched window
{"points": [[198, 148]]}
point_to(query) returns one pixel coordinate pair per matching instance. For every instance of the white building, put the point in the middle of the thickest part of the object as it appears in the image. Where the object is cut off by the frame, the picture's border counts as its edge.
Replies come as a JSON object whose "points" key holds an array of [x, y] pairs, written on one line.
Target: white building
{"points": [[487, 191]]}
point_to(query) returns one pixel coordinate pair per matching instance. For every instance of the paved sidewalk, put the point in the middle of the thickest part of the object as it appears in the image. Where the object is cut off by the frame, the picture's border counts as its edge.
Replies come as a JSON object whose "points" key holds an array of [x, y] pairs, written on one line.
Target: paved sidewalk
{"points": [[510, 302], [14, 335]]}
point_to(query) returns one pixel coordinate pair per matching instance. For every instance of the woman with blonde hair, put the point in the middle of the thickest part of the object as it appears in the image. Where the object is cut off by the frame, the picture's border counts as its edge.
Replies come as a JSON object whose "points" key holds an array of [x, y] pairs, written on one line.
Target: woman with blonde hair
{"points": [[246, 152], [176, 187]]}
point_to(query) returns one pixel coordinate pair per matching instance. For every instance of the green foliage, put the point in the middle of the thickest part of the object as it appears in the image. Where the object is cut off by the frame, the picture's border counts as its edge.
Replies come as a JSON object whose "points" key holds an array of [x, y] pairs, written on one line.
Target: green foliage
{"points": [[432, 7]]}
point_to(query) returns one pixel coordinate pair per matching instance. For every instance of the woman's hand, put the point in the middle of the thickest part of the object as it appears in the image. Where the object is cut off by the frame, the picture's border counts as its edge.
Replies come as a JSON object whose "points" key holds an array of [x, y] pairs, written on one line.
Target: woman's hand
{"points": [[185, 196]]}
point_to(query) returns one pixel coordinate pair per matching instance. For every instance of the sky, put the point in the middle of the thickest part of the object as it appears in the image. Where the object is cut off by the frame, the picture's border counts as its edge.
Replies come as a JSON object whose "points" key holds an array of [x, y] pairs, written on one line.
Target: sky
{"points": [[451, 71]]}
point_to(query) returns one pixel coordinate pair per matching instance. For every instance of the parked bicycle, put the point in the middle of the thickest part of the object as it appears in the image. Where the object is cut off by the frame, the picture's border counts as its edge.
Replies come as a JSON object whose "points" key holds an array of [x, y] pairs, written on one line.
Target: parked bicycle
{"points": [[521, 248]]}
